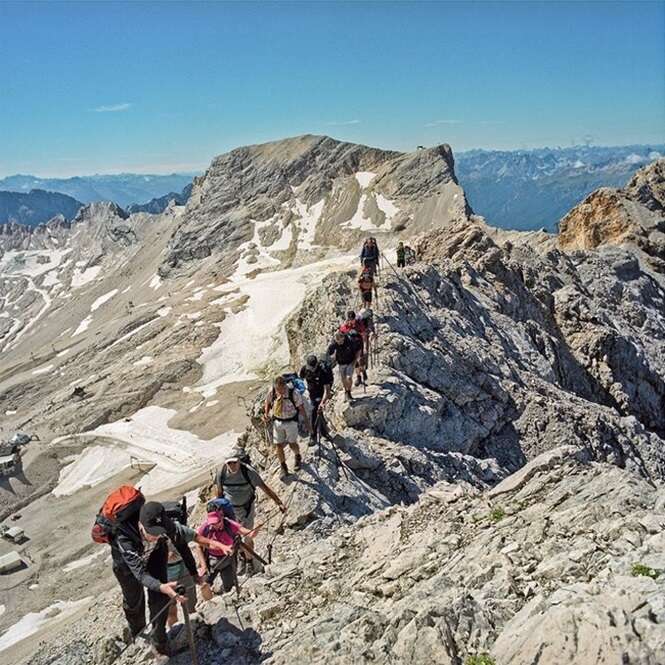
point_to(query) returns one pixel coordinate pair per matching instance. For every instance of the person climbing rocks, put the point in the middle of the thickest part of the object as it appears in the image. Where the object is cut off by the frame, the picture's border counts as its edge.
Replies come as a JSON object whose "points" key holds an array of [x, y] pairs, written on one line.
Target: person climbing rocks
{"points": [[369, 256], [401, 255], [367, 287], [353, 324], [319, 379], [287, 406], [238, 481], [139, 552], [368, 334], [347, 353], [221, 531]]}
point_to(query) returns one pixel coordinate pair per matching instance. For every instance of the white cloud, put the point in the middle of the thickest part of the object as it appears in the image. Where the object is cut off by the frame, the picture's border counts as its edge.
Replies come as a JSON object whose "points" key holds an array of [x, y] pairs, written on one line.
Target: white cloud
{"points": [[113, 108], [436, 123], [342, 123]]}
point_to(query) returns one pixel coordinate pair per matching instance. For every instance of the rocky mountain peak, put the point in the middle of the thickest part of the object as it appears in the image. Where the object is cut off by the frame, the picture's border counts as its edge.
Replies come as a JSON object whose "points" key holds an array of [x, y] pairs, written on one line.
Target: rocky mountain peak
{"points": [[629, 216], [311, 193], [100, 210]]}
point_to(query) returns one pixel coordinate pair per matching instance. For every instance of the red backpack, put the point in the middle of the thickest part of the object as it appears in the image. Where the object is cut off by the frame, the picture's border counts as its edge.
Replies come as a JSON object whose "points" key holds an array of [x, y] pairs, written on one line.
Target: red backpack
{"points": [[119, 506]]}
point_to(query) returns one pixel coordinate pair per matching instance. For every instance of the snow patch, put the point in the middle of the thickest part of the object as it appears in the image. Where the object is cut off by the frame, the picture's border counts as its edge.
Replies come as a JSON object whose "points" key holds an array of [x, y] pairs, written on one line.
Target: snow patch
{"points": [[83, 326], [364, 178], [145, 440], [102, 299], [164, 311], [81, 563], [309, 218], [155, 282], [35, 621], [254, 336], [43, 370], [80, 279], [144, 361]]}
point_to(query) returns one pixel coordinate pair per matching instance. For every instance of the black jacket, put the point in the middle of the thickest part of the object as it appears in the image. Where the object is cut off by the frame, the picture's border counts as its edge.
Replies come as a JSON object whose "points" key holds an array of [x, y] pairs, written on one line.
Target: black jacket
{"points": [[317, 379], [128, 551], [346, 352]]}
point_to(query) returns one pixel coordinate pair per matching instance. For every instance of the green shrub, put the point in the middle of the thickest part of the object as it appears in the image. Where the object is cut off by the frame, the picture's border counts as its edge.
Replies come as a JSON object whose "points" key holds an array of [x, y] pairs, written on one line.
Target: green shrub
{"points": [[481, 659], [497, 514], [640, 570]]}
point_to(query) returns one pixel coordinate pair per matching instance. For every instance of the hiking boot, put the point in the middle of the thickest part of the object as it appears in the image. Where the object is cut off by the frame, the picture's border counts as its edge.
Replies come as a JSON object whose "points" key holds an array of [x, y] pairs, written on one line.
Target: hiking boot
{"points": [[285, 470], [358, 380], [298, 465], [312, 440]]}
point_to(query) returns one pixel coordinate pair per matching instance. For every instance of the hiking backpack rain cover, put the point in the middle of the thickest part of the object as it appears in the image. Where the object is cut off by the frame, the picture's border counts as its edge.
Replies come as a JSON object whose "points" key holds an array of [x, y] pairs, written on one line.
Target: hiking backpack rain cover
{"points": [[119, 506]]}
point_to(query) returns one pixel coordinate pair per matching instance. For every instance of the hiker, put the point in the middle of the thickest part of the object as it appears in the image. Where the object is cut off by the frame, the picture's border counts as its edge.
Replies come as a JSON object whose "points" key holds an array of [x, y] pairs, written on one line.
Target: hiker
{"points": [[237, 481], [319, 378], [366, 316], [401, 255], [221, 529], [357, 325], [367, 286], [369, 256], [287, 405], [139, 551], [347, 353]]}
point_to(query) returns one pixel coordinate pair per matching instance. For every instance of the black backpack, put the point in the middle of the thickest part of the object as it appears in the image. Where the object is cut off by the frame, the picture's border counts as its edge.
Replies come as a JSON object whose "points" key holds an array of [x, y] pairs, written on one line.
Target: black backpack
{"points": [[176, 510]]}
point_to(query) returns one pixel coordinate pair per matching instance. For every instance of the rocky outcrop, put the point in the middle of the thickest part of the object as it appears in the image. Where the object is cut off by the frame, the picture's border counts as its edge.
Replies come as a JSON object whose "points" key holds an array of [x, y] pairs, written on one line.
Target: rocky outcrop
{"points": [[632, 216], [315, 192]]}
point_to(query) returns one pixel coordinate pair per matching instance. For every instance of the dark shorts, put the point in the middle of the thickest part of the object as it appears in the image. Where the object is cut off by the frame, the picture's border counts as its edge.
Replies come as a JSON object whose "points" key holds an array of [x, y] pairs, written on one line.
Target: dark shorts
{"points": [[366, 296]]}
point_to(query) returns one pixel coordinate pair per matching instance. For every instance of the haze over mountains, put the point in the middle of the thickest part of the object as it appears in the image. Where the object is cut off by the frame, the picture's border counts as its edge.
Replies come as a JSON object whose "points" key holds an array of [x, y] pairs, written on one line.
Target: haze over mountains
{"points": [[496, 485], [122, 188], [530, 189]]}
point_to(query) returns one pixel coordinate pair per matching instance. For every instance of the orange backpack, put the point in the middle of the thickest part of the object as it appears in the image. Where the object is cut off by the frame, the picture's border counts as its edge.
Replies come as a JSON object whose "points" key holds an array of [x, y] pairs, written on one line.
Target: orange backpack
{"points": [[119, 506]]}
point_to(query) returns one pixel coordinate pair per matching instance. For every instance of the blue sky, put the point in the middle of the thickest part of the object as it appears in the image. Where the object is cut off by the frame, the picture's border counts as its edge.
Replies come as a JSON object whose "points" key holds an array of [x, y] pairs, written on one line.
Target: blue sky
{"points": [[158, 87]]}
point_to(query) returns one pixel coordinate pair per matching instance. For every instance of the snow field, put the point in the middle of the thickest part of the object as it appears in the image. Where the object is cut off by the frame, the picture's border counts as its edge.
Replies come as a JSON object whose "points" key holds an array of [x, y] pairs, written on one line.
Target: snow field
{"points": [[145, 440]]}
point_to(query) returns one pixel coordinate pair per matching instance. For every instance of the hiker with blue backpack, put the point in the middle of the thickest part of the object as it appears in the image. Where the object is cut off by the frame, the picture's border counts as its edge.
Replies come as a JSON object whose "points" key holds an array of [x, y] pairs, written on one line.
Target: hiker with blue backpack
{"points": [[285, 402], [237, 481]]}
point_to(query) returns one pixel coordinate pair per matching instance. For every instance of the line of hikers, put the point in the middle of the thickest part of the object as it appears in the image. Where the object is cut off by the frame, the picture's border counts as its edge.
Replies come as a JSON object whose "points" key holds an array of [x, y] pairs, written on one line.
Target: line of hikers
{"points": [[151, 544]]}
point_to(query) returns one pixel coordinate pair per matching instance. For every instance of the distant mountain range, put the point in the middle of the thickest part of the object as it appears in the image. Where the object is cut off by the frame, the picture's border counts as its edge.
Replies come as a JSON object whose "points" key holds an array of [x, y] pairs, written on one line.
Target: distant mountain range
{"points": [[36, 207], [158, 205], [517, 189], [530, 189], [123, 188]]}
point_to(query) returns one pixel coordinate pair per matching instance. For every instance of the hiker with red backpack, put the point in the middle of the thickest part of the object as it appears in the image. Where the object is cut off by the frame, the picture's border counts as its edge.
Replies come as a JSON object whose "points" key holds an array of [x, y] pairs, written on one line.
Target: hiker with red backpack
{"points": [[237, 481], [356, 325], [138, 533], [287, 407]]}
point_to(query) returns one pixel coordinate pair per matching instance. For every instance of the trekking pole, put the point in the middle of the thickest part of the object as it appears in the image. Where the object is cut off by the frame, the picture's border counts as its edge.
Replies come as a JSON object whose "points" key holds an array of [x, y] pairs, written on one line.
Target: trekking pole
{"points": [[180, 590]]}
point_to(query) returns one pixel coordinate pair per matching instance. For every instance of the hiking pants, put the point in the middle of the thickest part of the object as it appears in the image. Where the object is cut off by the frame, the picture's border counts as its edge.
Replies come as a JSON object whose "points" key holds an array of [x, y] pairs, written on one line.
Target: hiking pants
{"points": [[133, 603], [401, 262], [322, 429]]}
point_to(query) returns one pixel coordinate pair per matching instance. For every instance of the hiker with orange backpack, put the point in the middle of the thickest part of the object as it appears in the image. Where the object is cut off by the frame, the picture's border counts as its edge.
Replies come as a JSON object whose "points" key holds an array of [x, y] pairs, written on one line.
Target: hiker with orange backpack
{"points": [[138, 533]]}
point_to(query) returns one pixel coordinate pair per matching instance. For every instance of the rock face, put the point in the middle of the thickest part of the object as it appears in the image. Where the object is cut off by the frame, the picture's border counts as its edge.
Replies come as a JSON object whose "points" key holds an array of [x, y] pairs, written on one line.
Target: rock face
{"points": [[315, 192], [634, 215]]}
